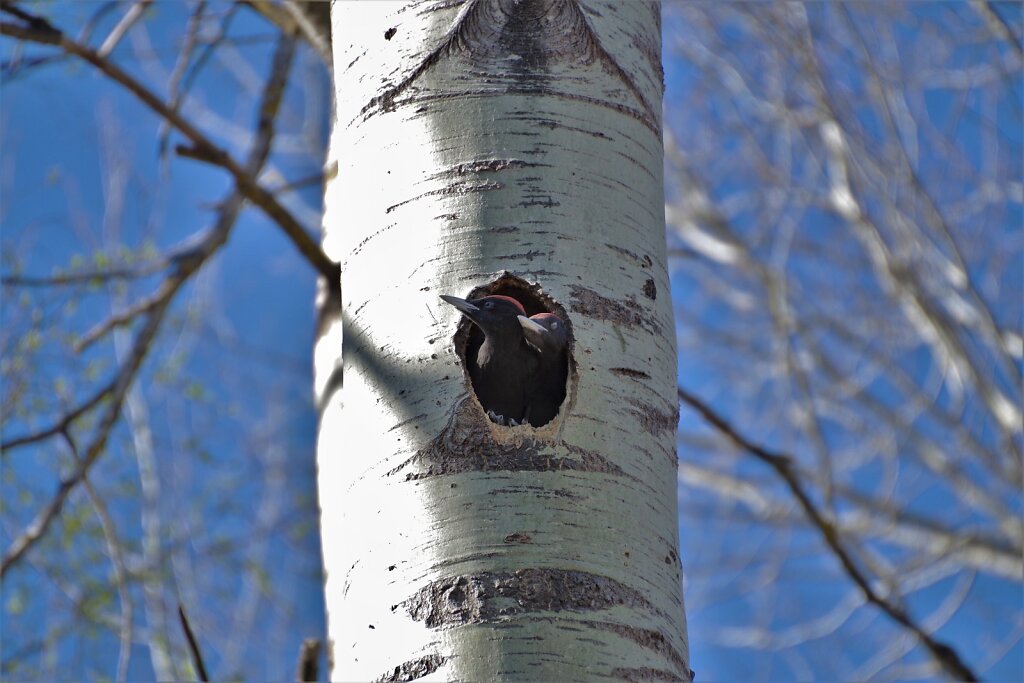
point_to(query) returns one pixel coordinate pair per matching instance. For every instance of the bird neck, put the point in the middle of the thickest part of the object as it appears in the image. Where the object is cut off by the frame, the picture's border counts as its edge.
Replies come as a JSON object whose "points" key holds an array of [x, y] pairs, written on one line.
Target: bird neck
{"points": [[501, 342]]}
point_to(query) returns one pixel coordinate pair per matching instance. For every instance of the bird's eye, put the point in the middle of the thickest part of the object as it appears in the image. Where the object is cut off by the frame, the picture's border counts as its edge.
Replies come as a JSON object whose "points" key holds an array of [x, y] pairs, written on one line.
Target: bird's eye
{"points": [[554, 325], [489, 304]]}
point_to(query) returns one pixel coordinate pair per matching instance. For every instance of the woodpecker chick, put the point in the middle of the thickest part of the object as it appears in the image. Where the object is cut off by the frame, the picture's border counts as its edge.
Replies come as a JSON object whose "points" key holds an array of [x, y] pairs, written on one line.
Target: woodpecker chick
{"points": [[548, 334], [504, 365]]}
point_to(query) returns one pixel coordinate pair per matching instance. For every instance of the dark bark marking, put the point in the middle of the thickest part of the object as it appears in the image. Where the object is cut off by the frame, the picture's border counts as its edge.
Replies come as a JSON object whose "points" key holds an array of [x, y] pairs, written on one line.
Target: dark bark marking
{"points": [[405, 422], [591, 304], [539, 32], [413, 669], [654, 421], [439, 6], [536, 491], [548, 123], [630, 373], [386, 100], [518, 537], [484, 166], [456, 189], [649, 639], [650, 289], [644, 261], [493, 596], [467, 444], [534, 90], [643, 674], [545, 200], [527, 255], [543, 31]]}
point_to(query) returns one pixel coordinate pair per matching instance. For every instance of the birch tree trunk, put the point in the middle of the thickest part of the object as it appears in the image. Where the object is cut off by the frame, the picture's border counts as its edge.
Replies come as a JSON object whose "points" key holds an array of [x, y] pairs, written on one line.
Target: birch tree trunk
{"points": [[514, 147]]}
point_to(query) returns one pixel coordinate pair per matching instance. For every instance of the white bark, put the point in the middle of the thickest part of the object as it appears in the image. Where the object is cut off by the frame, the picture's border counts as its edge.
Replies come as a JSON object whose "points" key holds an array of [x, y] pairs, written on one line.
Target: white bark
{"points": [[477, 143]]}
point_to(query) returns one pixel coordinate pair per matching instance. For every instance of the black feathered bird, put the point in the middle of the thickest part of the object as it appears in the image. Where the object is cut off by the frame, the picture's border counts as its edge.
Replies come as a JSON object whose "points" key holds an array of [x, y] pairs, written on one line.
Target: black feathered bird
{"points": [[547, 333], [504, 365]]}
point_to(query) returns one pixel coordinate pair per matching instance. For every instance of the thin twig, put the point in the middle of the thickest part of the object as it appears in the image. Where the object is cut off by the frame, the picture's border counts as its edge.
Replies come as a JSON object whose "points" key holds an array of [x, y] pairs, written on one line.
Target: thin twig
{"points": [[125, 317], [39, 525], [184, 58], [90, 277], [117, 560], [133, 14], [187, 262], [783, 466], [998, 25], [38, 30], [64, 423], [273, 93], [289, 17], [193, 646]]}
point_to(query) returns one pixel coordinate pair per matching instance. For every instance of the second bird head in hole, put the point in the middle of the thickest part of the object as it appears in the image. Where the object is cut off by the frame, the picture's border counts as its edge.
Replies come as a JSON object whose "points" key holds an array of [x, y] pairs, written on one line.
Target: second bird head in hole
{"points": [[519, 369]]}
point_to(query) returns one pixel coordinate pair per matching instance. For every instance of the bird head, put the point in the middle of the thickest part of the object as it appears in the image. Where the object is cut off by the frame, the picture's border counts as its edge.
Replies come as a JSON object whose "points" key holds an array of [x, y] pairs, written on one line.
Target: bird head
{"points": [[545, 332], [490, 313]]}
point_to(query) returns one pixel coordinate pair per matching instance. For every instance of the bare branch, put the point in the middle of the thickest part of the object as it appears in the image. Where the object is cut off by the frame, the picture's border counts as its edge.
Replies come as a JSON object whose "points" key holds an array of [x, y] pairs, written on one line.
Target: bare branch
{"points": [[187, 261], [133, 14], [91, 277], [40, 31], [184, 58], [782, 464], [64, 423], [292, 17], [117, 560], [125, 317], [870, 519], [193, 645], [998, 25]]}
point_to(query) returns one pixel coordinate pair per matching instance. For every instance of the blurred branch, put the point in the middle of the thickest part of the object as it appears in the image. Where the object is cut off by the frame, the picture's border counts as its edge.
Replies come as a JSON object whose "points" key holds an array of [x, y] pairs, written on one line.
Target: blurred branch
{"points": [[894, 273], [64, 423], [958, 276], [871, 519], [311, 20], [38, 527], [92, 277], [722, 244], [998, 25], [40, 31], [117, 560], [147, 305], [187, 262], [782, 464], [133, 14], [180, 66], [193, 646]]}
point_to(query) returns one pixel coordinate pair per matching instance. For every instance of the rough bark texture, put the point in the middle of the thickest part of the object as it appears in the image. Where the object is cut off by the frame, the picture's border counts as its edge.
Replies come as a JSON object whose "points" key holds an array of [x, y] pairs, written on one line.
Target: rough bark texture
{"points": [[495, 146]]}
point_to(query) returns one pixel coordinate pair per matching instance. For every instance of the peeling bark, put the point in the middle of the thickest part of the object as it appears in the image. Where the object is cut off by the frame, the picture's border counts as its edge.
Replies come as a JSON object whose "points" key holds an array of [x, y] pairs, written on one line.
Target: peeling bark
{"points": [[498, 147]]}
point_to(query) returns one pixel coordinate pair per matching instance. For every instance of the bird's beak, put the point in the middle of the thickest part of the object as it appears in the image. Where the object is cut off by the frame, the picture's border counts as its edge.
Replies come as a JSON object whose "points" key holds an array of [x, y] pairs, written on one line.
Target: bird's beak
{"points": [[461, 304], [531, 326]]}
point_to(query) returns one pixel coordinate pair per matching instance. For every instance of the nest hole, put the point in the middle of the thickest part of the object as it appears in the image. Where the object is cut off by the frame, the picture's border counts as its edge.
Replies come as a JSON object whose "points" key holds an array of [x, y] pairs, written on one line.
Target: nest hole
{"points": [[468, 337]]}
